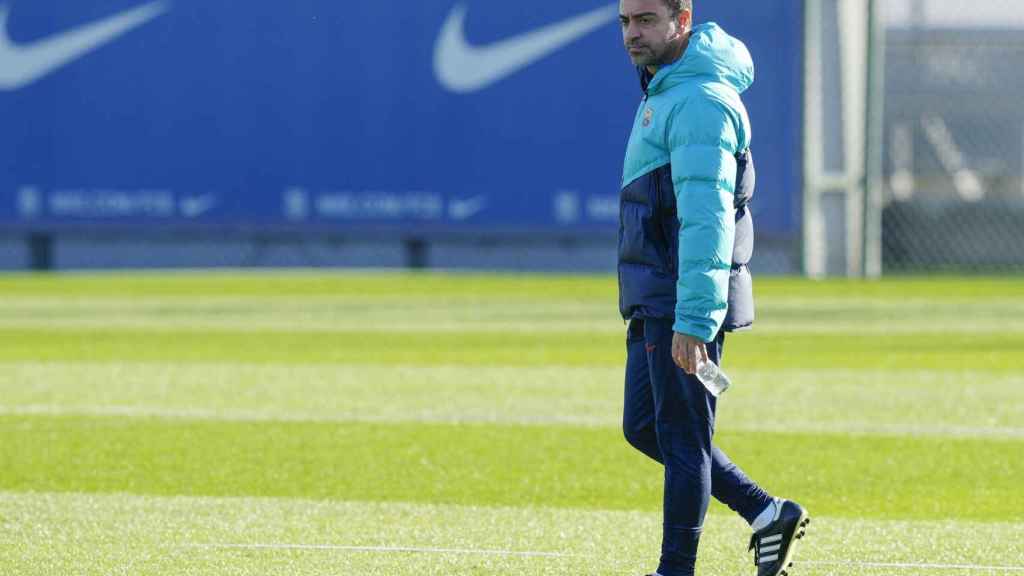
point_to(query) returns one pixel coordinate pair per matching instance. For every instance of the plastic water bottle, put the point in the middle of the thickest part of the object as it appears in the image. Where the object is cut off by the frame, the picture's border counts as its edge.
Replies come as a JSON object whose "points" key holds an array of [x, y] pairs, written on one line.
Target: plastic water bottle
{"points": [[713, 378]]}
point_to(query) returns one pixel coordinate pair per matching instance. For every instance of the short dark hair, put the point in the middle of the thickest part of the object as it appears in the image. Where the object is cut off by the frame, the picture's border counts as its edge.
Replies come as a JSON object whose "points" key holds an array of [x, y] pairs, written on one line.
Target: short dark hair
{"points": [[677, 6]]}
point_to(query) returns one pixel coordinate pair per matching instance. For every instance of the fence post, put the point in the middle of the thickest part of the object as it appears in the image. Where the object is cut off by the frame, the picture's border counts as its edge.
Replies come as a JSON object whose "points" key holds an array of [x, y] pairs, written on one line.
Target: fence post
{"points": [[873, 145]]}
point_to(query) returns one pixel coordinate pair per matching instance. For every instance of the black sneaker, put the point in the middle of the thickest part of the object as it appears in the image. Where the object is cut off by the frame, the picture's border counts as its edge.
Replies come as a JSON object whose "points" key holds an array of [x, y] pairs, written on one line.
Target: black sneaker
{"points": [[773, 545]]}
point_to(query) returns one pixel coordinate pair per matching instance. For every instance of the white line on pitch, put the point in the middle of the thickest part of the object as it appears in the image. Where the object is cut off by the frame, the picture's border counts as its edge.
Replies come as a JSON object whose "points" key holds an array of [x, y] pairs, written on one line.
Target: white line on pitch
{"points": [[912, 565], [405, 549]]}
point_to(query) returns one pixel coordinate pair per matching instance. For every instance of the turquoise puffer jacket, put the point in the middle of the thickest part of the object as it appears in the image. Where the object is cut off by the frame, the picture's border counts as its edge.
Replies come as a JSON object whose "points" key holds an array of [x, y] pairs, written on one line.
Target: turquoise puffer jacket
{"points": [[690, 137]]}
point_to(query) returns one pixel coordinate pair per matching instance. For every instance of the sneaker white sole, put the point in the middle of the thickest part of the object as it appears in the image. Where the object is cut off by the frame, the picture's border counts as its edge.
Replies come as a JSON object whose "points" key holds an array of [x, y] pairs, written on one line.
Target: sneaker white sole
{"points": [[801, 530]]}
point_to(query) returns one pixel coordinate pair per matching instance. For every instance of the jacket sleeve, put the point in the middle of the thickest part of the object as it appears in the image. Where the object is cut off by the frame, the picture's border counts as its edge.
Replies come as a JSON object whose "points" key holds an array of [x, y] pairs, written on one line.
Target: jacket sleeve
{"points": [[703, 142]]}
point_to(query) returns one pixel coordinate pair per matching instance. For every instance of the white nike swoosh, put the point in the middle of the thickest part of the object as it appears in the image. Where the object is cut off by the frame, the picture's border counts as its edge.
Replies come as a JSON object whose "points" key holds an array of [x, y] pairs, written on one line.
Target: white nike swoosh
{"points": [[463, 68], [30, 202], [21, 65], [195, 206], [466, 209]]}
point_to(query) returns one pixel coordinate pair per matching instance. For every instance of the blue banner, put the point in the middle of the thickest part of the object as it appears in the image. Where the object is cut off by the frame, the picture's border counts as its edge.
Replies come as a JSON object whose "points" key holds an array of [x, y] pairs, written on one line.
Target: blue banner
{"points": [[435, 115]]}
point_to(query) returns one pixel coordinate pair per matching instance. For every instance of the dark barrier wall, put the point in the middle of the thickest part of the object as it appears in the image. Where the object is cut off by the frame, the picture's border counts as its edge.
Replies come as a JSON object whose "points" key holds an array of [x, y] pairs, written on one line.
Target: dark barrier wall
{"points": [[429, 115]]}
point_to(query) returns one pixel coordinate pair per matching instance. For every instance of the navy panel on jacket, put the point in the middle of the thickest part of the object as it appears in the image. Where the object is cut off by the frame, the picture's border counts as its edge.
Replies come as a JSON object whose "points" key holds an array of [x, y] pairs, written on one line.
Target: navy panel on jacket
{"points": [[649, 247]]}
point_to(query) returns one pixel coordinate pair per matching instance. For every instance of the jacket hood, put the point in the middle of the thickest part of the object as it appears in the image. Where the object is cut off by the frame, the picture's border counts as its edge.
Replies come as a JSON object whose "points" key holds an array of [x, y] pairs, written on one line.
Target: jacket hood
{"points": [[713, 55]]}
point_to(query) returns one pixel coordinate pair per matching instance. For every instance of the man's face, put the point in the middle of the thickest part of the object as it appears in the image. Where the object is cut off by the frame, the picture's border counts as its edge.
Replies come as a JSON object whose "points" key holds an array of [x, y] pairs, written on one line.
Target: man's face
{"points": [[650, 32]]}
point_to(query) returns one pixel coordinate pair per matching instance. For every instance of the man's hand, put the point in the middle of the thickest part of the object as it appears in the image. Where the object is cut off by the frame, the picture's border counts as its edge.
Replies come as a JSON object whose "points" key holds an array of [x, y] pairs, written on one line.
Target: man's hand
{"points": [[688, 352]]}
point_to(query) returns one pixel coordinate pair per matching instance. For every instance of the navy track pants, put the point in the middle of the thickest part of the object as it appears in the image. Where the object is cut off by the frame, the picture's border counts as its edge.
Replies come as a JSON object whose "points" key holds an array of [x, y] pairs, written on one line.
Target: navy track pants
{"points": [[669, 416]]}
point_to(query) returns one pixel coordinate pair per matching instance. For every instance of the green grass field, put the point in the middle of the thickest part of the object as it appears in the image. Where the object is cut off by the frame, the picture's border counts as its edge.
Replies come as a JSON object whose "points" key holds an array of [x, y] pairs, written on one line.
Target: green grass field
{"points": [[432, 424]]}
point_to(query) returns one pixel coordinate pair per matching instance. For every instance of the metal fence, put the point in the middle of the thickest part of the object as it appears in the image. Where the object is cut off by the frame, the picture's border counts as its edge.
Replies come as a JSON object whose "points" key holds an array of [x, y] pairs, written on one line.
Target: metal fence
{"points": [[954, 137]]}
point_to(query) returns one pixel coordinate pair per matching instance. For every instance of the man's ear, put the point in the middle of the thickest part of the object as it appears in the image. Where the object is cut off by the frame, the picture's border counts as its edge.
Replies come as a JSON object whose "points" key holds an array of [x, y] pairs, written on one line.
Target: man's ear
{"points": [[685, 20]]}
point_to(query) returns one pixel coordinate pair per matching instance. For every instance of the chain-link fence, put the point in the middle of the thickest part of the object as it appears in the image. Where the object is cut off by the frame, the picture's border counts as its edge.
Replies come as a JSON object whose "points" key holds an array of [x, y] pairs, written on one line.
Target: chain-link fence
{"points": [[954, 136]]}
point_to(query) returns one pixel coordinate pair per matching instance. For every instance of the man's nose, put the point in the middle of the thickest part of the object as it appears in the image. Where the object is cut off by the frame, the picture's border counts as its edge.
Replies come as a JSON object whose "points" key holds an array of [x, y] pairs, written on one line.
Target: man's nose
{"points": [[632, 32]]}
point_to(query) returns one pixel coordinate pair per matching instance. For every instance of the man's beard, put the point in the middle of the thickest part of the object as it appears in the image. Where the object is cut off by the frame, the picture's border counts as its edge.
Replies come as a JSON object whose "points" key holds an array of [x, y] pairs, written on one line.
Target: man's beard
{"points": [[651, 58]]}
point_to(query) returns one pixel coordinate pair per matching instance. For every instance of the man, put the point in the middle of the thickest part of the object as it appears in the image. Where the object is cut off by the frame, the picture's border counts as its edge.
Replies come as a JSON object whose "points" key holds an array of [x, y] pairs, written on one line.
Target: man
{"points": [[685, 238]]}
